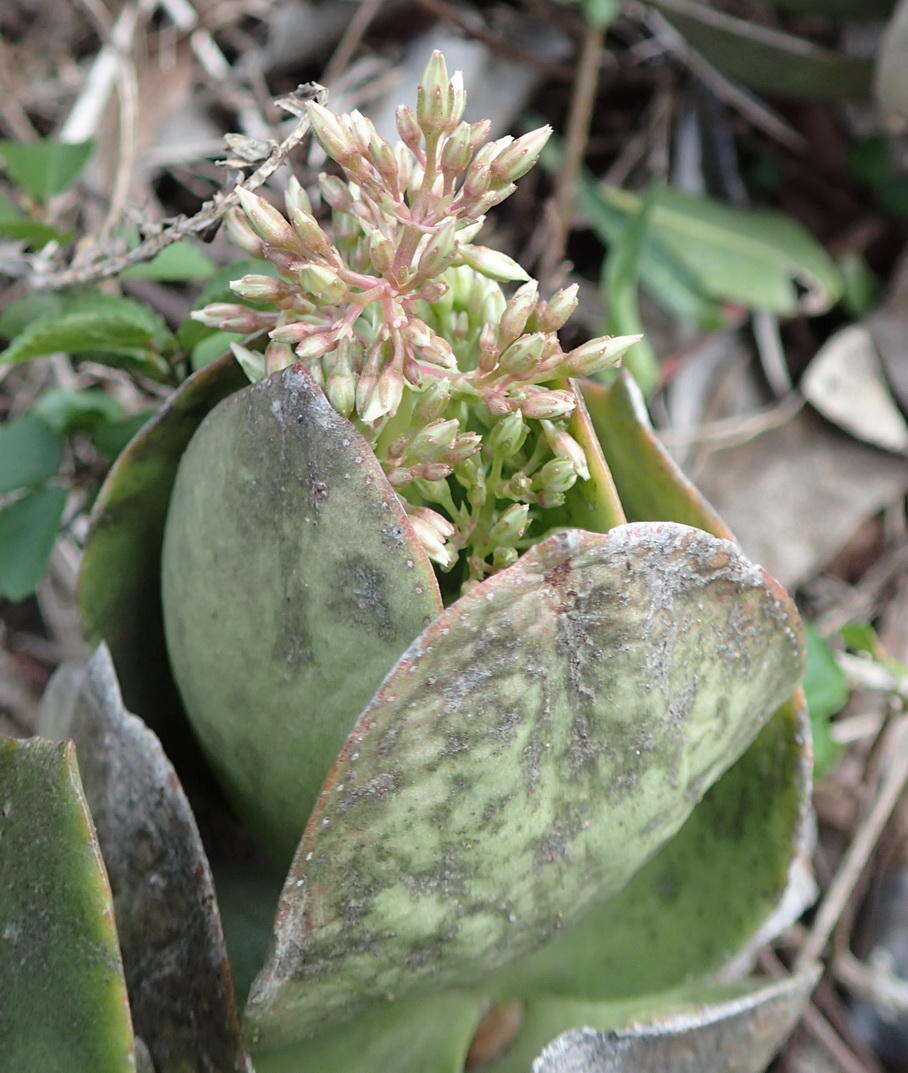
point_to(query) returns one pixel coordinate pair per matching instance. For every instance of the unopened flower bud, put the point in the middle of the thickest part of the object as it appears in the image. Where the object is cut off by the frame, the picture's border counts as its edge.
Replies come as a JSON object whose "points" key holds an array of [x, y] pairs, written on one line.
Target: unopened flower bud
{"points": [[385, 398], [555, 313], [313, 240], [433, 402], [516, 160], [598, 354], [503, 557], [432, 471], [267, 221], [313, 346], [457, 152], [565, 446], [557, 475], [517, 312], [457, 100], [432, 541], [479, 132], [466, 444], [335, 193], [432, 103], [295, 198], [241, 234], [340, 382], [492, 198], [277, 356], [492, 263], [439, 250], [322, 282], [382, 156], [234, 318], [434, 291], [507, 436], [550, 404], [381, 253], [250, 361], [431, 442], [328, 129], [261, 288], [511, 524], [522, 356], [408, 128]]}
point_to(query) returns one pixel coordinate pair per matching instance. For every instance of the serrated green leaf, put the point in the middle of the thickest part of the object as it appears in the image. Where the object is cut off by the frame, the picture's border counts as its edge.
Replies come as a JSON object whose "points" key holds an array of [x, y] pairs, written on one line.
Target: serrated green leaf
{"points": [[120, 577], [826, 690], [44, 167], [69, 410], [64, 1000], [758, 258], [28, 529], [30, 453], [528, 753], [339, 581], [180, 989], [179, 262]]}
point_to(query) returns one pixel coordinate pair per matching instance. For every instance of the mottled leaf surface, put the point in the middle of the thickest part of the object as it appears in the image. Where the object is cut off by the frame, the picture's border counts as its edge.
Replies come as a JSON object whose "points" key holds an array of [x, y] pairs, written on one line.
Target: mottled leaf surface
{"points": [[292, 581], [63, 1006], [736, 1028], [179, 981], [651, 486], [732, 877], [529, 752], [424, 1035], [120, 578]]}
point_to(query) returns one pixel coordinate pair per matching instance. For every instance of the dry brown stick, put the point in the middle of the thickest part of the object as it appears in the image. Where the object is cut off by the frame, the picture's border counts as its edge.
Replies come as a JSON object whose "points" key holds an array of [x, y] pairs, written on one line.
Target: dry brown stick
{"points": [[103, 267], [579, 118], [350, 41], [862, 845]]}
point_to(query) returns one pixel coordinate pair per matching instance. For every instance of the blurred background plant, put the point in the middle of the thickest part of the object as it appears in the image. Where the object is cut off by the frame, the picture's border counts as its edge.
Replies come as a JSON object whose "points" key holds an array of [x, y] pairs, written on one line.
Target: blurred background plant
{"points": [[729, 178]]}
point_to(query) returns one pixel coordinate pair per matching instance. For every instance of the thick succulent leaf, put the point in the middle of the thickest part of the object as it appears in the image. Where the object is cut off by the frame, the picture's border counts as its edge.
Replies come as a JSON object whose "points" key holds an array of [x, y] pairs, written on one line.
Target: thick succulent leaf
{"points": [[119, 582], [532, 749], [179, 981], [593, 504], [63, 1006], [286, 543], [734, 875], [651, 486], [732, 1028], [424, 1035]]}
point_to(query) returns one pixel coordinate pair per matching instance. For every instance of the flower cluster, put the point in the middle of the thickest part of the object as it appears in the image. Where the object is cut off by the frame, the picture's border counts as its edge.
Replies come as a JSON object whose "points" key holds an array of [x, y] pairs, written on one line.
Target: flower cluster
{"points": [[464, 394]]}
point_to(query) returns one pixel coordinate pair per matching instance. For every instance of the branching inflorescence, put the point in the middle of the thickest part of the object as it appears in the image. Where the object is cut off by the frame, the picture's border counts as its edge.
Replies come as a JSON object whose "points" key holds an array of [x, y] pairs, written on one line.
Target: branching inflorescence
{"points": [[463, 394]]}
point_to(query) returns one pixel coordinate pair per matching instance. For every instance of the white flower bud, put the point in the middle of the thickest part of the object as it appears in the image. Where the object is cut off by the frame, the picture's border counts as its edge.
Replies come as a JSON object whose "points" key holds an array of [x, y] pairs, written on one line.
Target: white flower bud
{"points": [[598, 354], [492, 263], [267, 221]]}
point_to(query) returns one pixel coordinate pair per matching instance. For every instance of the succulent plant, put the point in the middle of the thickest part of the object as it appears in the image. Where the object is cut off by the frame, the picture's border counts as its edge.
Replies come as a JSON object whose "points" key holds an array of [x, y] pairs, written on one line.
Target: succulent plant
{"points": [[464, 652]]}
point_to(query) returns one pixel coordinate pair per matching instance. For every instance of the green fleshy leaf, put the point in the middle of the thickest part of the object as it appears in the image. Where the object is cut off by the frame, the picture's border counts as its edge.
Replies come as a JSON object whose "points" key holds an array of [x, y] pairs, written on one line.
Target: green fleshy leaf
{"points": [[64, 1000], [177, 974], [180, 262], [570, 711], [733, 875], [723, 1028], [826, 690], [44, 167], [120, 579], [30, 453], [76, 410], [339, 584], [651, 486], [28, 529], [425, 1035]]}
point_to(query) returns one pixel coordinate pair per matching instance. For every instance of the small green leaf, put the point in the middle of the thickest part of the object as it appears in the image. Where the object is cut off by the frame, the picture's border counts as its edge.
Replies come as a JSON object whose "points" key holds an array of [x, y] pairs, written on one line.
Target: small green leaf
{"points": [[28, 529], [826, 690], [64, 999], [530, 751], [179, 262], [112, 437], [755, 257], [69, 410], [33, 232], [44, 167], [30, 453], [113, 330]]}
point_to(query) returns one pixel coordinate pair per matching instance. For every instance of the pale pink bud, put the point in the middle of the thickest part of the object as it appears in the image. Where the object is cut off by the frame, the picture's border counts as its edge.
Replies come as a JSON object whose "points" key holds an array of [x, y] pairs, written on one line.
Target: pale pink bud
{"points": [[267, 221], [550, 404], [277, 356], [408, 128], [466, 444], [295, 198], [439, 251], [557, 475], [335, 193], [322, 282], [492, 263], [433, 402], [554, 314], [511, 524], [516, 160], [431, 442], [479, 132], [517, 312], [598, 354], [260, 288], [432, 96], [241, 234], [565, 446], [233, 318], [328, 129], [381, 253], [522, 356]]}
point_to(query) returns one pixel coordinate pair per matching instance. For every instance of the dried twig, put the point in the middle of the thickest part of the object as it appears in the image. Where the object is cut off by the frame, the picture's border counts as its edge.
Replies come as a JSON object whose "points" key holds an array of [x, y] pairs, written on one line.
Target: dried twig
{"points": [[862, 845], [104, 266], [872, 982]]}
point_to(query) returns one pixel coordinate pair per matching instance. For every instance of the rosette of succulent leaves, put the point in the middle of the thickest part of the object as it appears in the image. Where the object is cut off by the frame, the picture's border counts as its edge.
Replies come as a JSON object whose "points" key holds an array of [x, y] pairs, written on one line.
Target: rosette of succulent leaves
{"points": [[463, 393]]}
